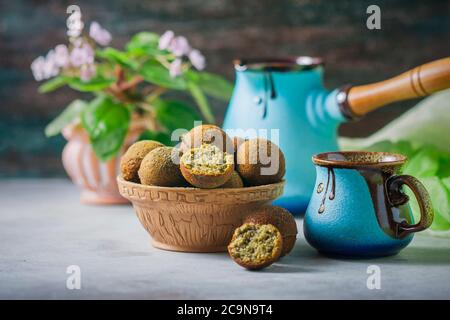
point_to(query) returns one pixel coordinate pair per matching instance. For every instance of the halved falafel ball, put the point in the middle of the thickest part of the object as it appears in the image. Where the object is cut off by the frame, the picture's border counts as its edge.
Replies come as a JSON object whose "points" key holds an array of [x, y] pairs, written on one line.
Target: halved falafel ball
{"points": [[160, 168], [131, 160], [207, 167], [207, 134], [260, 161], [280, 218], [255, 246]]}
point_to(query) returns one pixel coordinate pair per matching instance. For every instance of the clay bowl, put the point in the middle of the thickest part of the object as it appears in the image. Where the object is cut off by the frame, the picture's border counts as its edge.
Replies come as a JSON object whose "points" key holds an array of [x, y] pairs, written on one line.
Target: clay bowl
{"points": [[192, 219]]}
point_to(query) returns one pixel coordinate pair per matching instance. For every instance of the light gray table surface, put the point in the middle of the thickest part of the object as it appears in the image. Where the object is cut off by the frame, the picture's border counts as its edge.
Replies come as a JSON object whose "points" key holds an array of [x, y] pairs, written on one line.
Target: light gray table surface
{"points": [[44, 229]]}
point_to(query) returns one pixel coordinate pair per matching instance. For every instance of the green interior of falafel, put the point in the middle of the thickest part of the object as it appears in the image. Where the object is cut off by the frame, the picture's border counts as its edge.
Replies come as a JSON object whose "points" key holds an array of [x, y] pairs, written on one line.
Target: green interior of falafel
{"points": [[207, 159], [254, 243]]}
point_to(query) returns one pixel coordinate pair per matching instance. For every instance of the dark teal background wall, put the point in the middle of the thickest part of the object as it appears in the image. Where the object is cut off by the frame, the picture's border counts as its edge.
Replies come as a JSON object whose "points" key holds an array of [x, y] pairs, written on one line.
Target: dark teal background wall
{"points": [[413, 32]]}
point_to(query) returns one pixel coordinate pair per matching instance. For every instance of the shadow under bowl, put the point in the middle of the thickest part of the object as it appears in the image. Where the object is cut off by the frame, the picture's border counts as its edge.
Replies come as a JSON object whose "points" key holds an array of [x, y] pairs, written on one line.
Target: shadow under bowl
{"points": [[192, 219]]}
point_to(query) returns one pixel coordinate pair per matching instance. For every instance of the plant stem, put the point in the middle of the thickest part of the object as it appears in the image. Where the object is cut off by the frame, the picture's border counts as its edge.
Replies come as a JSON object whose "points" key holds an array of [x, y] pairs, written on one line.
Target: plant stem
{"points": [[120, 74], [163, 61], [150, 116], [155, 94], [132, 83], [118, 94]]}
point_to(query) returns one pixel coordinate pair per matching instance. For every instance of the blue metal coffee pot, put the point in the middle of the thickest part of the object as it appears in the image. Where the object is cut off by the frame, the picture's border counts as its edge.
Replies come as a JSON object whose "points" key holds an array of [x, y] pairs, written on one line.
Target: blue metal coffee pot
{"points": [[288, 95]]}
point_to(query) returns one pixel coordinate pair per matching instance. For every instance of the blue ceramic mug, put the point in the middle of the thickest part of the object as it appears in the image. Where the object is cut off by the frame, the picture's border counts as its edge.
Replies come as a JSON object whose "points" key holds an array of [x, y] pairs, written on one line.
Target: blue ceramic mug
{"points": [[358, 207]]}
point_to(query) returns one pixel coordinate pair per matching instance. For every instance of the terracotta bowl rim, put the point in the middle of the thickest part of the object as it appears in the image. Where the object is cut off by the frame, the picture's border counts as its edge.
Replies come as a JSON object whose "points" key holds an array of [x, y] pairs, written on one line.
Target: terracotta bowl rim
{"points": [[120, 180]]}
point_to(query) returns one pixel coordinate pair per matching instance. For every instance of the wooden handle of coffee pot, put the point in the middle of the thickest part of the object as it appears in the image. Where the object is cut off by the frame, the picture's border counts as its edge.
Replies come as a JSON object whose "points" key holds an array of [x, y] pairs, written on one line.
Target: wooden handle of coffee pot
{"points": [[418, 82]]}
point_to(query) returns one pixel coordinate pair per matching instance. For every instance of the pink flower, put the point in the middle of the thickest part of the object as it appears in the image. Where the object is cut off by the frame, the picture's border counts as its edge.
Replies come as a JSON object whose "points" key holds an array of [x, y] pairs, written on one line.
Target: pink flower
{"points": [[165, 40], [50, 68], [175, 68], [44, 68], [179, 46], [99, 34], [62, 57], [37, 67], [87, 72], [197, 59], [82, 55], [77, 57]]}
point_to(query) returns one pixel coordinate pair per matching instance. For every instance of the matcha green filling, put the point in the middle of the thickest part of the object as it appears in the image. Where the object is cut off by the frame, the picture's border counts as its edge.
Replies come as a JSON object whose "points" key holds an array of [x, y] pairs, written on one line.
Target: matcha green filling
{"points": [[207, 159], [254, 243]]}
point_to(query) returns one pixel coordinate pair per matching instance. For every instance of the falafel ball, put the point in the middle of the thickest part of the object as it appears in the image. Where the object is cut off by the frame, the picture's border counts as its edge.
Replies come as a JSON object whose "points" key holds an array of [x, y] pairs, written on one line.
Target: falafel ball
{"points": [[160, 168], [255, 246], [131, 160], [280, 218], [207, 134], [260, 161]]}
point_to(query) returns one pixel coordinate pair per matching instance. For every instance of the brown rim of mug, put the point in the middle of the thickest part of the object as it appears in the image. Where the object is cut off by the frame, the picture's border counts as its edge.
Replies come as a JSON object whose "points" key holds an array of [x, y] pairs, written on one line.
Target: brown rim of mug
{"points": [[278, 64], [322, 159]]}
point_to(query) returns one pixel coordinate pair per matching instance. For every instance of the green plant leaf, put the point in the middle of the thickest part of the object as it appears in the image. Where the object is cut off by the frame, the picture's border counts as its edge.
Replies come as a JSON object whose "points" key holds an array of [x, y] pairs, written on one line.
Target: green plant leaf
{"points": [[95, 84], [143, 43], [173, 114], [53, 84], [201, 101], [119, 57], [425, 163], [212, 84], [444, 165], [446, 182], [70, 113], [162, 137], [106, 122], [155, 73]]}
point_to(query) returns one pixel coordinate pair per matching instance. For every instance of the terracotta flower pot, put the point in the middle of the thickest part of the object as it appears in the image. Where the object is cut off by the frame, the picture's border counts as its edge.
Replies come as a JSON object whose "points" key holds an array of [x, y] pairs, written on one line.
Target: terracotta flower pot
{"points": [[96, 179], [192, 219]]}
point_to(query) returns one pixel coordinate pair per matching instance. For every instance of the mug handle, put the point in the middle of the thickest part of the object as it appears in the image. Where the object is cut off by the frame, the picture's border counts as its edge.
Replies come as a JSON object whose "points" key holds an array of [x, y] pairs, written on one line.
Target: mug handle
{"points": [[396, 197]]}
